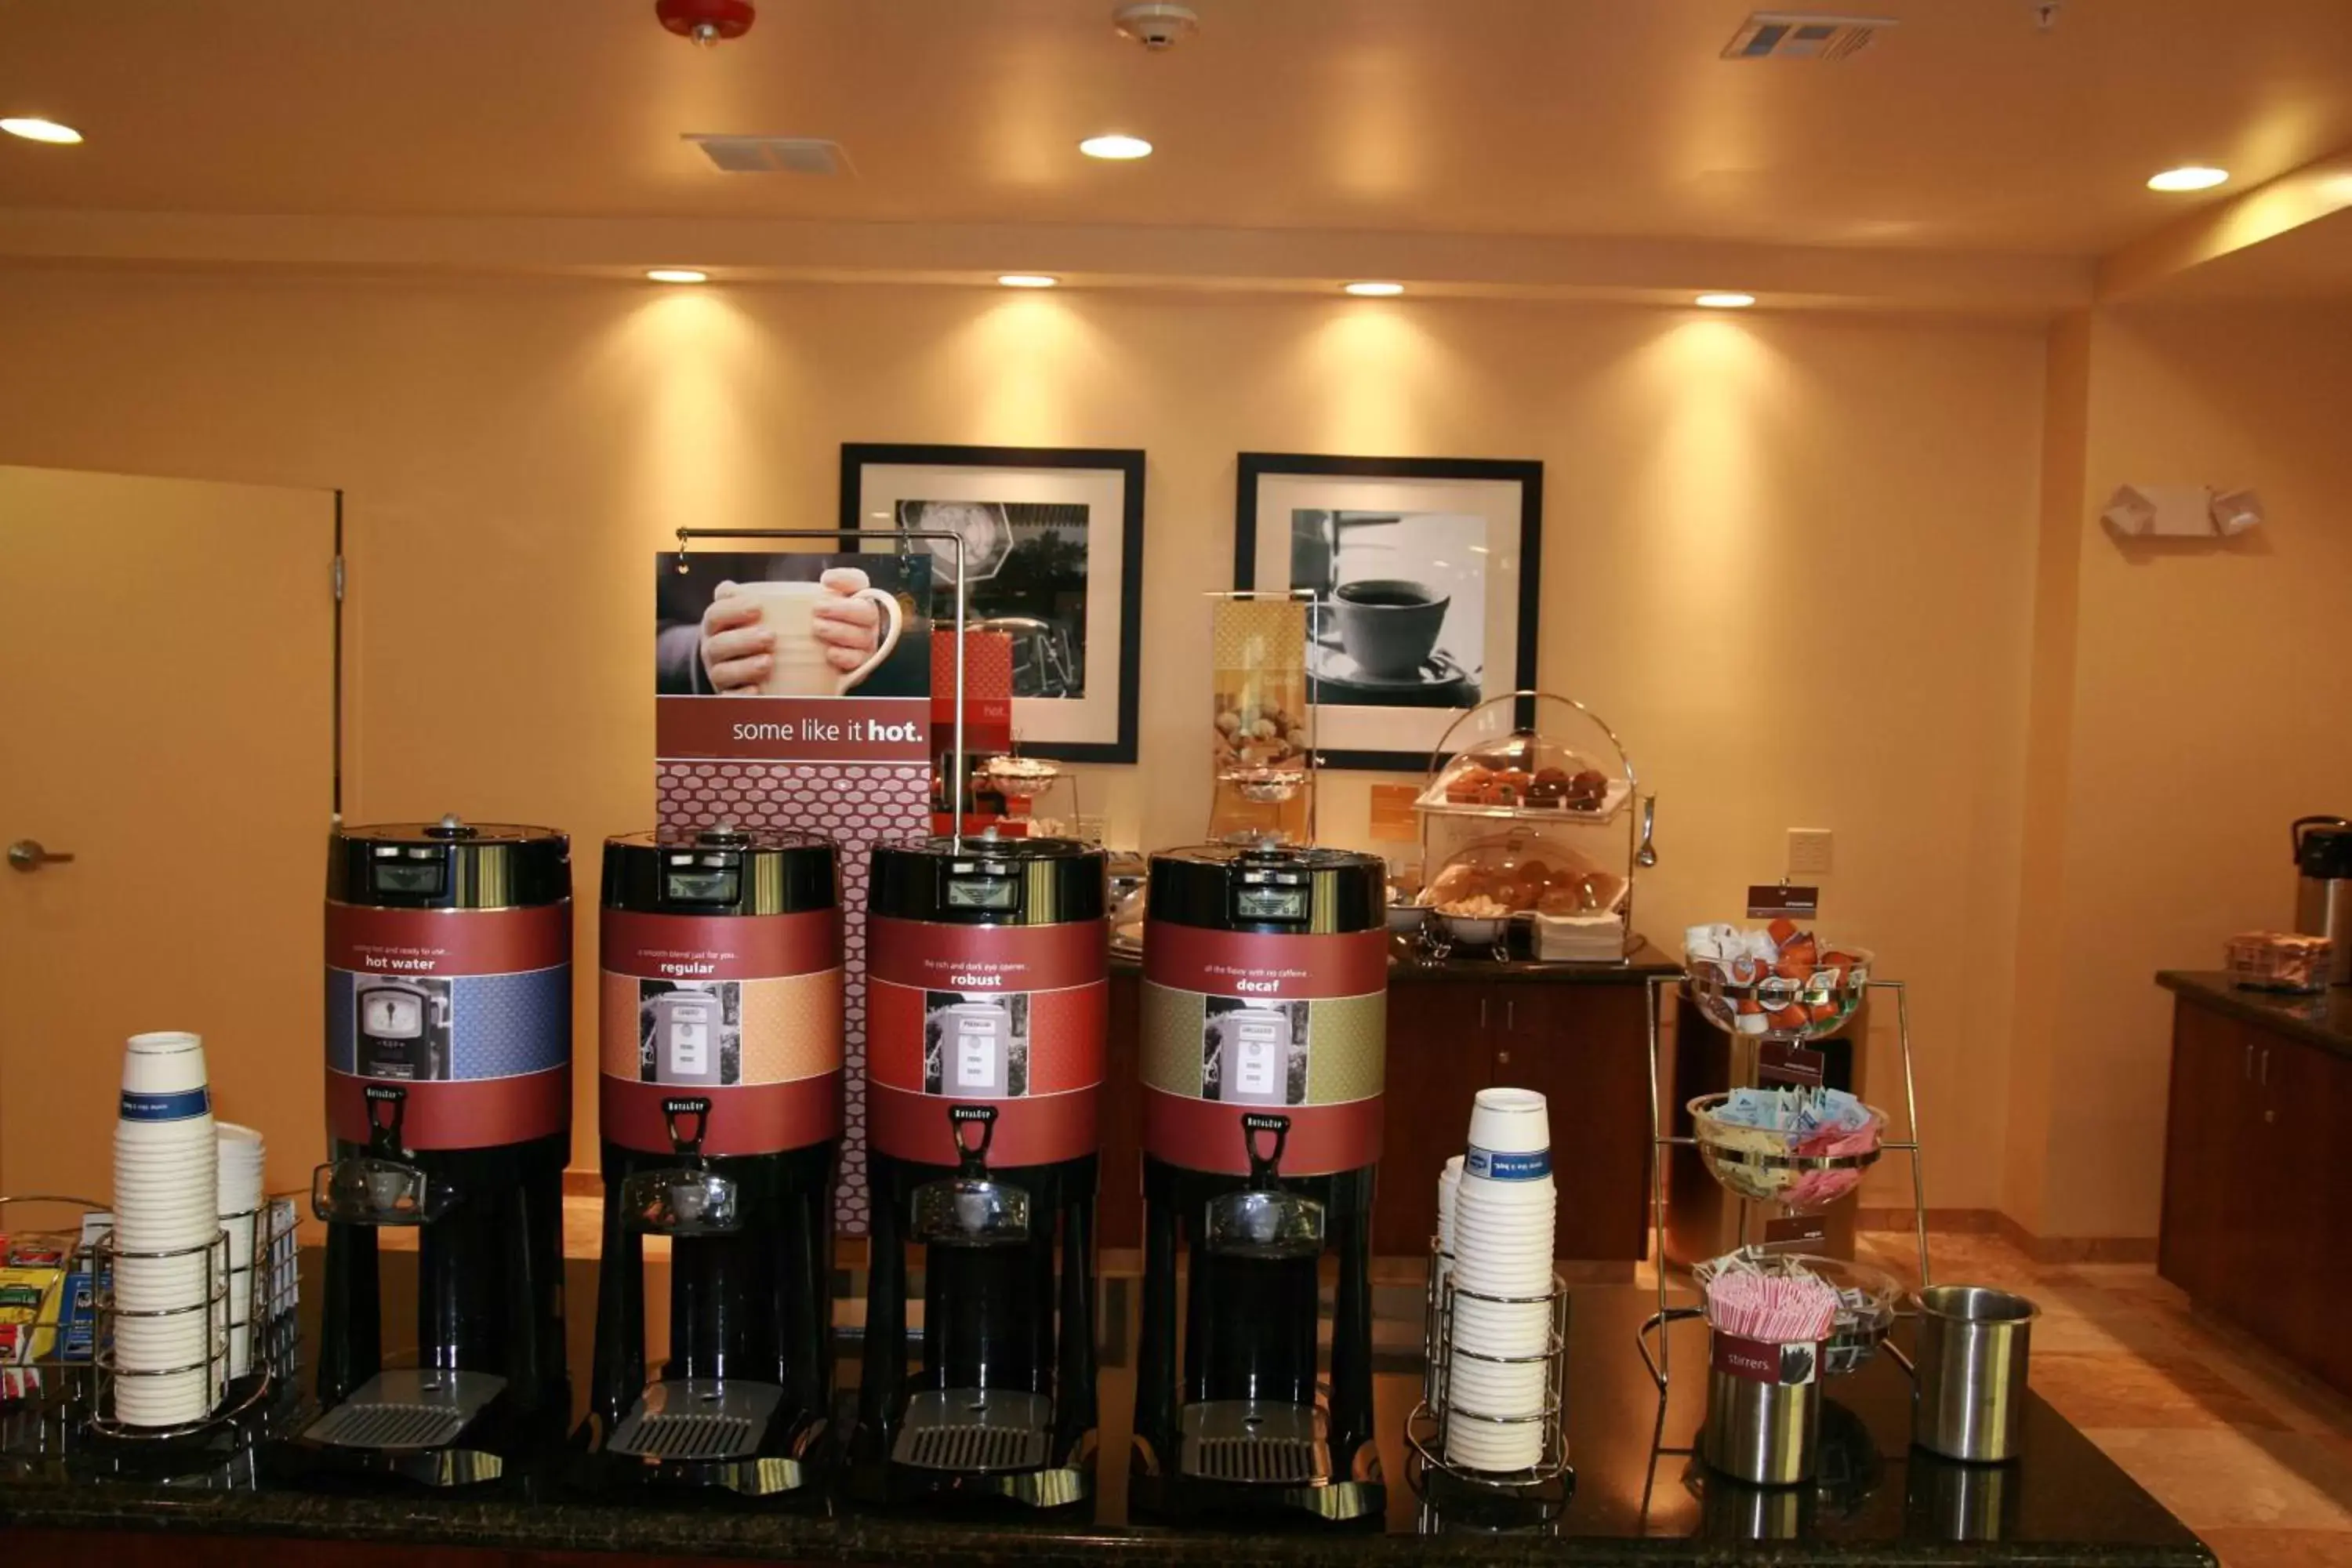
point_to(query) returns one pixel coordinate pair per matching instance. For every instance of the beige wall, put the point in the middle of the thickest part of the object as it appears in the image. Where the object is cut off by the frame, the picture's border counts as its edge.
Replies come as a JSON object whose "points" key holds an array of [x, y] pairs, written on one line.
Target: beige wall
{"points": [[1791, 558], [2191, 691]]}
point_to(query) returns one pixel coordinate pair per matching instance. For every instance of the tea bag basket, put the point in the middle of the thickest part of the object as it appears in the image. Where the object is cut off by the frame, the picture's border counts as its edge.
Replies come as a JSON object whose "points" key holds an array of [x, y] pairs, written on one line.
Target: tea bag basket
{"points": [[1531, 811]]}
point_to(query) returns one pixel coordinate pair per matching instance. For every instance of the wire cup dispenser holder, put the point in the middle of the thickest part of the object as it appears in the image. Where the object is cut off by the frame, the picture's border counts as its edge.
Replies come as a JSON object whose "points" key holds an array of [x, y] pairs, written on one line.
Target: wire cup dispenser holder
{"points": [[1718, 1002], [1547, 1483], [87, 1374]]}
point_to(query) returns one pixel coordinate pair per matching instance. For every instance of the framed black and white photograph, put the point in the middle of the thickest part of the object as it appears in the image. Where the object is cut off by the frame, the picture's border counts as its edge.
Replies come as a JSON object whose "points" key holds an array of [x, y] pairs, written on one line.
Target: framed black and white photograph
{"points": [[1425, 577], [1052, 558]]}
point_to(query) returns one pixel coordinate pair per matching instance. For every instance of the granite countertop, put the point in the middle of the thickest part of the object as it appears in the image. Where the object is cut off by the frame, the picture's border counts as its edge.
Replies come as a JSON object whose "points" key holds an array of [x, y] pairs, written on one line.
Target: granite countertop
{"points": [[1639, 1498], [1645, 961], [2322, 1019]]}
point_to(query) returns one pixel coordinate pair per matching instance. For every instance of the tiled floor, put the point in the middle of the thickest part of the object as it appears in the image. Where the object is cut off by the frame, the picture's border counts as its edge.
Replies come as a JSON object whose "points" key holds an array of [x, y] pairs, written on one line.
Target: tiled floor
{"points": [[2251, 1453]]}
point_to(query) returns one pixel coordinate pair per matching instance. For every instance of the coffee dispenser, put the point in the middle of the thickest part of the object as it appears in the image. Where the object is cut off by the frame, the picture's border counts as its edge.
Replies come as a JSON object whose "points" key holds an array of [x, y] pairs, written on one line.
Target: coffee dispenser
{"points": [[720, 1105], [987, 1004], [2322, 889], [448, 1110], [1265, 1031]]}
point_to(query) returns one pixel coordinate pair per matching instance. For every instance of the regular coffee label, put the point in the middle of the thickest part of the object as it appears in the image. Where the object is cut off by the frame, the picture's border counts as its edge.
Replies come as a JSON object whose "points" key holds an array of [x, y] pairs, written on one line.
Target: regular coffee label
{"points": [[468, 1011], [1237, 1021], [1009, 1017], [725, 1029]]}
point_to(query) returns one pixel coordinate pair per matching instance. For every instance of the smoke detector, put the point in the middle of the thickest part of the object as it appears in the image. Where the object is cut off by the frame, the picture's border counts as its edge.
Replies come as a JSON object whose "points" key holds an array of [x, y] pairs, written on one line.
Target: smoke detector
{"points": [[1157, 24], [773, 154], [1802, 36]]}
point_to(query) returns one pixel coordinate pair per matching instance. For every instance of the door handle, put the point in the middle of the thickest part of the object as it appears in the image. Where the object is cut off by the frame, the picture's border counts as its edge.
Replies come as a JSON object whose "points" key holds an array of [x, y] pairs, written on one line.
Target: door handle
{"points": [[1510, 1012], [26, 855], [1481, 1011], [2249, 1073], [2266, 1066]]}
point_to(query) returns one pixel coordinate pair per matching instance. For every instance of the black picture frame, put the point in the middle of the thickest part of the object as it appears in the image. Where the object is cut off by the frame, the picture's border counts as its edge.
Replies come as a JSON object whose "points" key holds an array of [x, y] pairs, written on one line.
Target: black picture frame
{"points": [[1527, 473], [1125, 461]]}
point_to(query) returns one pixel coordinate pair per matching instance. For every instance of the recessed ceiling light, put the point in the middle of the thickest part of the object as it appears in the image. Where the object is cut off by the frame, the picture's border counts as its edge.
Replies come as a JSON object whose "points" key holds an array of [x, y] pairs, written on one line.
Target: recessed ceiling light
{"points": [[1724, 301], [1118, 148], [1373, 291], [42, 130], [2188, 177], [676, 275], [1026, 280]]}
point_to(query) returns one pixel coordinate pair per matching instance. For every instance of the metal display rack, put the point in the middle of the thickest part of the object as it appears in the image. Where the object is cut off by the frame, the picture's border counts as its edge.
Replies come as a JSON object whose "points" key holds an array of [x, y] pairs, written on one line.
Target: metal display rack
{"points": [[1662, 1140], [1546, 1482]]}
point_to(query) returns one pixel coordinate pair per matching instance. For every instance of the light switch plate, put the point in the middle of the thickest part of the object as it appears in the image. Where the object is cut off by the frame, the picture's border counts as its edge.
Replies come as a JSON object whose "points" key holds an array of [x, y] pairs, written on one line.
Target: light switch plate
{"points": [[1809, 851]]}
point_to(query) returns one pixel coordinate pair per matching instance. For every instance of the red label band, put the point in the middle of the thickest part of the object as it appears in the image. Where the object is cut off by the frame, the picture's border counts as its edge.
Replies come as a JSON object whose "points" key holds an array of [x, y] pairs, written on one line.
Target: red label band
{"points": [[1037, 1131], [744, 1119], [720, 947], [1252, 963], [1204, 1136], [369, 940], [794, 728], [476, 1113], [1760, 1361], [932, 956]]}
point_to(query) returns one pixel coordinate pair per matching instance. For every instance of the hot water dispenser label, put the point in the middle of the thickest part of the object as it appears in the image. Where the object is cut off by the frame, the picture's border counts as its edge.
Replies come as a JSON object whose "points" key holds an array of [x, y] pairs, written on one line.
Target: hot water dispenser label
{"points": [[470, 1009], [1014, 1016], [1236, 1022], [744, 1011]]}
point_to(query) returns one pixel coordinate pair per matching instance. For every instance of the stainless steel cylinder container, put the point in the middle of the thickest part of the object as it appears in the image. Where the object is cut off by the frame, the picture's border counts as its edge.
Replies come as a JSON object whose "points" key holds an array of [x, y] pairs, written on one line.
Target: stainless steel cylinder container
{"points": [[1766, 1434], [1972, 1362]]}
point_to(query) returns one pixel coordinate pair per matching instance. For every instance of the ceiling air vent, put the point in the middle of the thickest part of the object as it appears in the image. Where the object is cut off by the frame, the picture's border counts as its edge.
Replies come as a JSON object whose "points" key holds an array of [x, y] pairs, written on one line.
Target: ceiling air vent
{"points": [[1802, 36], [775, 155]]}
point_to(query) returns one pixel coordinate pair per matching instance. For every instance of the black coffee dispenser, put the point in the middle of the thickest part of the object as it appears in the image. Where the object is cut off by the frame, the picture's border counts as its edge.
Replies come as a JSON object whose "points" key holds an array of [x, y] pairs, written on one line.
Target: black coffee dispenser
{"points": [[720, 1103], [1265, 1040], [987, 1005], [448, 1036]]}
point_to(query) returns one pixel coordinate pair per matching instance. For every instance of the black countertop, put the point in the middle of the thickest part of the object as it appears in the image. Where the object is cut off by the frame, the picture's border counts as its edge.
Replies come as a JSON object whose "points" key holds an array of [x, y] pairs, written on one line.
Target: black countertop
{"points": [[1409, 966], [2064, 1504], [2322, 1019]]}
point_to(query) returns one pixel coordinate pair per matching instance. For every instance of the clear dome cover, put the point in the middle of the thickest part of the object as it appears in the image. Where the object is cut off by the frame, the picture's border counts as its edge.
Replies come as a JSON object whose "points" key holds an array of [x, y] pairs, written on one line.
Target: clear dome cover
{"points": [[1521, 873], [1565, 763]]}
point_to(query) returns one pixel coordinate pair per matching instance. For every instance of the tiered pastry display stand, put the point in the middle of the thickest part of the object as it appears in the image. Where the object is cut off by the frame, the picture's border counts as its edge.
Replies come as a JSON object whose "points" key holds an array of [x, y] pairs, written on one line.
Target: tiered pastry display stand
{"points": [[1826, 1007]]}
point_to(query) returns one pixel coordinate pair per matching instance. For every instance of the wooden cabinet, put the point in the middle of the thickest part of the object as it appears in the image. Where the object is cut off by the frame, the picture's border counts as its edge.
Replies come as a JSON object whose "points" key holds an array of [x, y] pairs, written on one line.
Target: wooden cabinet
{"points": [[2257, 1209], [1582, 1041]]}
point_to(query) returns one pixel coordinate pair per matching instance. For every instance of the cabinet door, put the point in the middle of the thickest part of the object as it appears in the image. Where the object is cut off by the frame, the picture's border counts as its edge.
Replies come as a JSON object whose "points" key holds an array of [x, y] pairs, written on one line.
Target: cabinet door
{"points": [[1438, 1061], [2296, 1208], [1587, 1048], [2205, 1243], [1119, 1205]]}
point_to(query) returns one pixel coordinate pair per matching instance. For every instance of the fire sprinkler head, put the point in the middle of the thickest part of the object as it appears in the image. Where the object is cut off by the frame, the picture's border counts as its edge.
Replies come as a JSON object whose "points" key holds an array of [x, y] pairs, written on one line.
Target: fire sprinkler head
{"points": [[706, 24]]}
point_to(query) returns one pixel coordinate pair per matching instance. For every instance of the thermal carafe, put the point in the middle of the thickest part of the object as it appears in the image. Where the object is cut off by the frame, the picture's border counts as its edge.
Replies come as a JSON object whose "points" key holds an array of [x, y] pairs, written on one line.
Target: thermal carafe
{"points": [[2323, 891], [449, 1046], [988, 986], [720, 1103]]}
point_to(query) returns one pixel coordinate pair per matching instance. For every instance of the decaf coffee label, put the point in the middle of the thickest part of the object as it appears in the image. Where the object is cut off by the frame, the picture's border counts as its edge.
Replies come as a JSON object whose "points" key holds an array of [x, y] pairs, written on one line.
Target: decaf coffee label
{"points": [[468, 1010], [1013, 1016], [739, 1016], [1239, 1022], [1760, 1361]]}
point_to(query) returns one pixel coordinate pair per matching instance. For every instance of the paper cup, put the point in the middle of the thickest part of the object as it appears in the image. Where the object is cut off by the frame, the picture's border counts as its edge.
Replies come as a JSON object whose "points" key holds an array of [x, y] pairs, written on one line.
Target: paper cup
{"points": [[1501, 1327], [171, 1400], [1492, 1447], [1495, 1388], [1508, 1121]]}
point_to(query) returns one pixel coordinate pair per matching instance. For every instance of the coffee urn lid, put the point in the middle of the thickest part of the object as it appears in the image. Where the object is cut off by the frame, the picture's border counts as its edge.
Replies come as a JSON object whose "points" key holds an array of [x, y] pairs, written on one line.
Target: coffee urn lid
{"points": [[2323, 847], [986, 879], [1269, 887], [451, 863], [721, 871]]}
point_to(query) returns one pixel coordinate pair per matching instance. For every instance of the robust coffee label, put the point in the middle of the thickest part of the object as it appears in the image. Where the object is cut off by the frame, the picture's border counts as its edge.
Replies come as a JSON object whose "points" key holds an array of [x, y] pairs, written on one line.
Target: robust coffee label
{"points": [[721, 1031], [1762, 1360], [1236, 1021], [469, 1011], [1011, 1017]]}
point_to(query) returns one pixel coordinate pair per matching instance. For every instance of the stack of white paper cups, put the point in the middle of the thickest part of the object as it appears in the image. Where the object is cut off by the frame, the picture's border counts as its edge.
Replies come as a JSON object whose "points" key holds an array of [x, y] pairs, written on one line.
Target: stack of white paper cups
{"points": [[1504, 1215], [246, 1223], [166, 1320]]}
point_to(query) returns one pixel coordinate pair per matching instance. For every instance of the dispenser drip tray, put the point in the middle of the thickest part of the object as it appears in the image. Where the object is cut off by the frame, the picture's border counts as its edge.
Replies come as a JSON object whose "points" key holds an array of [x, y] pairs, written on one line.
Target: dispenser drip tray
{"points": [[698, 1419], [975, 1430], [408, 1409], [1254, 1442]]}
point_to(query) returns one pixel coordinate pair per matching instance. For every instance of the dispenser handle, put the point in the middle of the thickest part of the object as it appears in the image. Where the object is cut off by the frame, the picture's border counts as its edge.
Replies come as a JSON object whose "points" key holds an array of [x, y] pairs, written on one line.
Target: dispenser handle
{"points": [[387, 1109], [699, 1108], [2295, 829], [971, 1159], [1265, 1169]]}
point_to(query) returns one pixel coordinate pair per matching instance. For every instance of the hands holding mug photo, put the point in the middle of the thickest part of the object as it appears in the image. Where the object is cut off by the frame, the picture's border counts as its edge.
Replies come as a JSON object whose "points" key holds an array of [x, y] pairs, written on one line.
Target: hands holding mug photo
{"points": [[797, 638]]}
